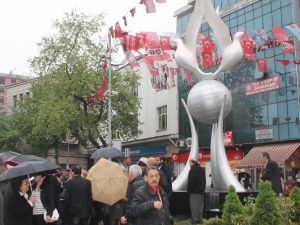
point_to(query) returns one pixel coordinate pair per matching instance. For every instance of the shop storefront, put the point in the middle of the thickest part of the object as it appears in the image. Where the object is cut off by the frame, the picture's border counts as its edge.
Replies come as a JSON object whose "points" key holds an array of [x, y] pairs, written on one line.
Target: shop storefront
{"points": [[180, 159]]}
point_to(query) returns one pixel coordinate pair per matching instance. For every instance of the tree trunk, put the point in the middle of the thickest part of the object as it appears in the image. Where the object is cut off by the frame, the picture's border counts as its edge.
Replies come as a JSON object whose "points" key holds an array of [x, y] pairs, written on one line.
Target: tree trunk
{"points": [[56, 153]]}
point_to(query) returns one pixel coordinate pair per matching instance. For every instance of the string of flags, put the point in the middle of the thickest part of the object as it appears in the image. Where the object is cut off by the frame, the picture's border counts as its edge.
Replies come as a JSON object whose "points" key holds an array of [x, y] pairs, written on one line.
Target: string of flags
{"points": [[157, 51]]}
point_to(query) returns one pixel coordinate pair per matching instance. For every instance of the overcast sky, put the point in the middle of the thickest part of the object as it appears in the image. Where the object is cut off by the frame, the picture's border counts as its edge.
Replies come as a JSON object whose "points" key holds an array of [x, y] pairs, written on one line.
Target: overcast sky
{"points": [[24, 22]]}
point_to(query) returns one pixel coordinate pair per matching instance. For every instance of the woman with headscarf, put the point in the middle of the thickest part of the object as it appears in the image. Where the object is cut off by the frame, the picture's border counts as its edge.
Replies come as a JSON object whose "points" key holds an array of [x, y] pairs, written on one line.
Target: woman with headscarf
{"points": [[19, 206]]}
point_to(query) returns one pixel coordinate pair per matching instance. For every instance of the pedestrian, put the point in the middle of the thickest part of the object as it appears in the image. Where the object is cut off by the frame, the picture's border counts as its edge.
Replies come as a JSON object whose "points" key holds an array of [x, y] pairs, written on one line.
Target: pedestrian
{"points": [[78, 199], [150, 204], [19, 205], [271, 173], [196, 190], [136, 181], [44, 193], [143, 163], [126, 163]]}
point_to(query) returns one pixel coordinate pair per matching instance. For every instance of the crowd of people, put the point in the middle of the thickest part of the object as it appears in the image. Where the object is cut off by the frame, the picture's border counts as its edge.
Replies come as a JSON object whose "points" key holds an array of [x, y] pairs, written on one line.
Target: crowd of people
{"points": [[35, 201]]}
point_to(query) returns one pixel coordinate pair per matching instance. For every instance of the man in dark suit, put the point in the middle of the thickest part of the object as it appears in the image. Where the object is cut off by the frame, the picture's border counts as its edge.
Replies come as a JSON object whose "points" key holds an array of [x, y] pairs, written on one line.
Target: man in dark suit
{"points": [[196, 190], [78, 199], [272, 173]]}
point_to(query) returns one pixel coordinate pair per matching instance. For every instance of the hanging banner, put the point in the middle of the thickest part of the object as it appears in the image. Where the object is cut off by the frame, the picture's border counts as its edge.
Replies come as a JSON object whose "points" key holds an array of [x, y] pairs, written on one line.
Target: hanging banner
{"points": [[227, 137], [265, 85]]}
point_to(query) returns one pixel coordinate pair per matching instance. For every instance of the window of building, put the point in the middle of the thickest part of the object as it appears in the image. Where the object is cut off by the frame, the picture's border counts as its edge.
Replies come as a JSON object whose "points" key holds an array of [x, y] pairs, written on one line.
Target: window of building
{"points": [[15, 98], [162, 118]]}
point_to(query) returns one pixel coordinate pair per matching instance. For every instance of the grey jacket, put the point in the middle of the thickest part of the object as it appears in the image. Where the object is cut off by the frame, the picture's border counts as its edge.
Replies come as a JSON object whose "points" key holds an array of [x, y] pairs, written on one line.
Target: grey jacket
{"points": [[142, 208]]}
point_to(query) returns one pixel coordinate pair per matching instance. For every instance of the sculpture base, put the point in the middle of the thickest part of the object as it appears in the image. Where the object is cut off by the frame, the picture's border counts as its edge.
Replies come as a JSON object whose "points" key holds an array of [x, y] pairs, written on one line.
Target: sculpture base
{"points": [[213, 202]]}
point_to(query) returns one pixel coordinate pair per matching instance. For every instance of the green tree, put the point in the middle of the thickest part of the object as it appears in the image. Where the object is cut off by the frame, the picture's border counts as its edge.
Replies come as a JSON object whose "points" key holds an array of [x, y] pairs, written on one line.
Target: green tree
{"points": [[69, 71], [232, 206], [295, 197], [267, 210]]}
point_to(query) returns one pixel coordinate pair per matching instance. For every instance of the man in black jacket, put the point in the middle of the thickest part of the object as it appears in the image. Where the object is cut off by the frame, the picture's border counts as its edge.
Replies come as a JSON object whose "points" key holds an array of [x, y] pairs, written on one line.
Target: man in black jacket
{"points": [[272, 173], [150, 205], [78, 199], [196, 189]]}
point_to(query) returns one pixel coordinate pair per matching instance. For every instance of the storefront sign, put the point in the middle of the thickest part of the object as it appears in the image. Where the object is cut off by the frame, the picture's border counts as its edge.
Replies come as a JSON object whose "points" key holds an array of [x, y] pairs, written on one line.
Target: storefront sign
{"points": [[151, 150], [264, 134], [204, 156], [227, 137], [269, 84], [234, 7]]}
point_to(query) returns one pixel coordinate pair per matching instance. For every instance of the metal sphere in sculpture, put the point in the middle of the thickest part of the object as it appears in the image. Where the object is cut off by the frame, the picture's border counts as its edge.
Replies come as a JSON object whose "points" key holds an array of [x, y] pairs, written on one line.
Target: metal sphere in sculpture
{"points": [[205, 101]]}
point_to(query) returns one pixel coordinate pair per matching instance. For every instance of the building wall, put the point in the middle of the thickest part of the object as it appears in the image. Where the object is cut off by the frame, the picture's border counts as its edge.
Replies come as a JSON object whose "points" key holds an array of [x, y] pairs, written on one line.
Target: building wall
{"points": [[277, 110], [5, 81], [15, 93]]}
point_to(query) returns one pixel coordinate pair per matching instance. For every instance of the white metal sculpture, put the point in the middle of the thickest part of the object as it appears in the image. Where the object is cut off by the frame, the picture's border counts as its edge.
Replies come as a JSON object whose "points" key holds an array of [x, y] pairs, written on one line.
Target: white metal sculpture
{"points": [[209, 101]]}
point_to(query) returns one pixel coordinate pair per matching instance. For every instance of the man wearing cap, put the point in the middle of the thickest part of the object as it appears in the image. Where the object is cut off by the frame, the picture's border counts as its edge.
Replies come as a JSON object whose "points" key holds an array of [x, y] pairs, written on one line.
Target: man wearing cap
{"points": [[196, 189]]}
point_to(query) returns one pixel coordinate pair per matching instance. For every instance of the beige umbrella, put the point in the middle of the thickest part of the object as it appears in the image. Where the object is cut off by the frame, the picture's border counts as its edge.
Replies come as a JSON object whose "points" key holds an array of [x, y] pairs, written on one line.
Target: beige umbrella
{"points": [[109, 181]]}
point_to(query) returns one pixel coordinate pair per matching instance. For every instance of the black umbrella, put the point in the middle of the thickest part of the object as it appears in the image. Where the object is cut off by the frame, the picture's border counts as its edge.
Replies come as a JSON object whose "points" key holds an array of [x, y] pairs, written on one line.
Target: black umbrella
{"points": [[17, 159], [107, 152], [6, 155], [26, 168]]}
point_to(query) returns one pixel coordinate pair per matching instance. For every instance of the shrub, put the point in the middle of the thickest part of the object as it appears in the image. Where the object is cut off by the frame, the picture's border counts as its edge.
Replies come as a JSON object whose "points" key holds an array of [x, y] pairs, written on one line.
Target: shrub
{"points": [[232, 206], [213, 221], [295, 197], [267, 211], [287, 208]]}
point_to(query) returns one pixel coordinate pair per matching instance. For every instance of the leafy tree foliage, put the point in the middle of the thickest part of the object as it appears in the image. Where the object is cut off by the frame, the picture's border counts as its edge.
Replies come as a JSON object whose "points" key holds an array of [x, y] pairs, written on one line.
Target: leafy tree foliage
{"points": [[69, 71], [295, 197]]}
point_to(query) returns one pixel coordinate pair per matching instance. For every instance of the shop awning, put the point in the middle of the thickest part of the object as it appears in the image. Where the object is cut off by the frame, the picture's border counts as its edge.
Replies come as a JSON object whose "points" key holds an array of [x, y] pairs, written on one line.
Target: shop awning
{"points": [[278, 152]]}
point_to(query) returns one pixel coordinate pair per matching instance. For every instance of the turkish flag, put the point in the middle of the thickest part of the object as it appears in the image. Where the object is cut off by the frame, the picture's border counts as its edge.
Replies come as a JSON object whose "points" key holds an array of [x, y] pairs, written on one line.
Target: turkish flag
{"points": [[296, 61], [262, 65], [140, 40], [132, 11], [132, 62], [125, 20], [284, 62], [207, 59], [247, 45], [132, 43], [288, 47], [151, 39], [164, 42], [188, 78], [102, 89], [207, 45], [118, 31], [280, 34], [150, 7]]}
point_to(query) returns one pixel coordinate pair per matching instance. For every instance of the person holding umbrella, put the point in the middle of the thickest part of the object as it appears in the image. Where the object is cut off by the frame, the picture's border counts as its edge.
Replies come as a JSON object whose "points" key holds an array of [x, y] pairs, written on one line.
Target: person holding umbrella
{"points": [[45, 199], [19, 207]]}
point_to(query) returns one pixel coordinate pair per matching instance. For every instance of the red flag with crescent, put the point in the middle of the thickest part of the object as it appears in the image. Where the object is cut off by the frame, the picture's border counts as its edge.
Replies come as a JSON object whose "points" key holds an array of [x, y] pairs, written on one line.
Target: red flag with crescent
{"points": [[150, 6], [207, 59], [207, 45], [247, 45], [262, 65], [280, 34], [118, 31], [164, 42], [284, 62]]}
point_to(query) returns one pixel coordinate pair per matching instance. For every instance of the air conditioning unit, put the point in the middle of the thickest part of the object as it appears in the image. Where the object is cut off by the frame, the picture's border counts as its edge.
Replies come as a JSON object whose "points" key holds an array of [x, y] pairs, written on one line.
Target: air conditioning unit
{"points": [[188, 142], [180, 144]]}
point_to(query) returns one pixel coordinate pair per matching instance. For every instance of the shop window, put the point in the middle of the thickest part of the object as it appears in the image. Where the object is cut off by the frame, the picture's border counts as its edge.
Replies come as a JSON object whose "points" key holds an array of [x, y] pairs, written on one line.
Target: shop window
{"points": [[162, 118]]}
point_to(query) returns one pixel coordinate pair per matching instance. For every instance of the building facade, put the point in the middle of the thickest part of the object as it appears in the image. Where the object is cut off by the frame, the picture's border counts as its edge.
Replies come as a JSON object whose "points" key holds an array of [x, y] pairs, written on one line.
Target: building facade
{"points": [[5, 81], [256, 118], [158, 117]]}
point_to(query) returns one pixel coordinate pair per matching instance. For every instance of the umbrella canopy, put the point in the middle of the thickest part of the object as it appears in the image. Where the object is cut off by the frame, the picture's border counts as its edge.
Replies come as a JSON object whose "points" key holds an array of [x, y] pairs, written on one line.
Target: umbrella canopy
{"points": [[26, 168], [109, 182], [17, 159], [107, 152], [6, 155]]}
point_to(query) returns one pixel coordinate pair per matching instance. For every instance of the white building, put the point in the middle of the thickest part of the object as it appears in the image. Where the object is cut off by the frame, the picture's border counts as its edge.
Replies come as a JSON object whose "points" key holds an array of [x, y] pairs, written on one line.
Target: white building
{"points": [[16, 92], [158, 116]]}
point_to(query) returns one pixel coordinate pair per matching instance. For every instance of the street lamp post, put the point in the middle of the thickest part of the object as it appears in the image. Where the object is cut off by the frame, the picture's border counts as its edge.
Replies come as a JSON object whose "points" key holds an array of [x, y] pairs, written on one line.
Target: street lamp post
{"points": [[109, 91]]}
